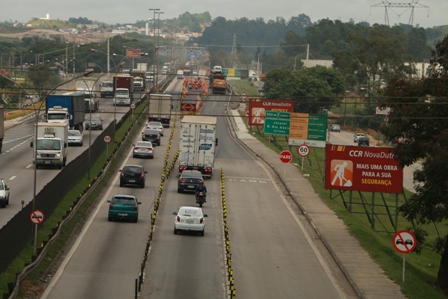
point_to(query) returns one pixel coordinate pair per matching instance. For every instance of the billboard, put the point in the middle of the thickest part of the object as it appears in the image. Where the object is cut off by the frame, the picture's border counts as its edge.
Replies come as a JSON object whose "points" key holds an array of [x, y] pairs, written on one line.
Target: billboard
{"points": [[360, 168], [258, 108], [310, 129], [132, 53]]}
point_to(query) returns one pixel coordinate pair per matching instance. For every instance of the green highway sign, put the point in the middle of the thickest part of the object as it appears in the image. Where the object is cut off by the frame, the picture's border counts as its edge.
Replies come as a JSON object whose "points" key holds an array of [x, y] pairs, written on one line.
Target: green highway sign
{"points": [[271, 114], [276, 123]]}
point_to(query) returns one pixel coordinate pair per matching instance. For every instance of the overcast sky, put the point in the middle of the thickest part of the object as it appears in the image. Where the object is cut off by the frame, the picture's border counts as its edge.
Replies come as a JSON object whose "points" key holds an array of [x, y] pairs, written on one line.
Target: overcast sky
{"points": [[427, 13]]}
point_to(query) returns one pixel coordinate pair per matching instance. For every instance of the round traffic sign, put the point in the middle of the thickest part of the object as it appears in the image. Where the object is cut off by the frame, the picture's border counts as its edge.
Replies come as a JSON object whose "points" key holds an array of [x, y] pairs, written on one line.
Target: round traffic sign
{"points": [[107, 138], [246, 113], [285, 156], [303, 150], [243, 95], [132, 106], [404, 241], [37, 217]]}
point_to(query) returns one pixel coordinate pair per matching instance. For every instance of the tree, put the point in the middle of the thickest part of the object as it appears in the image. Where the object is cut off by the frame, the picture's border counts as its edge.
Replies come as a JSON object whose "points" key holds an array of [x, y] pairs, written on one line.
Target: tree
{"points": [[43, 78], [418, 120], [312, 89]]}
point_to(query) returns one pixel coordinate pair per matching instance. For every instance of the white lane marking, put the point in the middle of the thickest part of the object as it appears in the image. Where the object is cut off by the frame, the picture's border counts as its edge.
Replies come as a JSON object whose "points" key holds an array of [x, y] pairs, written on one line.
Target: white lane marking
{"points": [[309, 239], [29, 165], [86, 227], [12, 140], [13, 177]]}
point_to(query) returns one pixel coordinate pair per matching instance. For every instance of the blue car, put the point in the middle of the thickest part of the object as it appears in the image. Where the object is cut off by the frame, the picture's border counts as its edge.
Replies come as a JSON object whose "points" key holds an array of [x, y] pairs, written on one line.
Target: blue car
{"points": [[123, 207]]}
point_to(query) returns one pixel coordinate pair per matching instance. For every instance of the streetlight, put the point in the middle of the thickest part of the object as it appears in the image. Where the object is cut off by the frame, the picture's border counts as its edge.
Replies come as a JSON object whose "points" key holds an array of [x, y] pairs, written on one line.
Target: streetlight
{"points": [[108, 57], [87, 73], [157, 49], [23, 88], [90, 112], [155, 46], [124, 57]]}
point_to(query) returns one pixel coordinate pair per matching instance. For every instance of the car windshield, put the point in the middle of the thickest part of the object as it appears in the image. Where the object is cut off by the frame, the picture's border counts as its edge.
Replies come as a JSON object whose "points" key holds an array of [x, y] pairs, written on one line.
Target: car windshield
{"points": [[151, 132], [107, 84], [74, 133], [154, 123], [186, 174], [122, 92], [52, 116], [134, 169], [190, 212], [94, 118], [123, 201], [47, 144], [143, 143]]}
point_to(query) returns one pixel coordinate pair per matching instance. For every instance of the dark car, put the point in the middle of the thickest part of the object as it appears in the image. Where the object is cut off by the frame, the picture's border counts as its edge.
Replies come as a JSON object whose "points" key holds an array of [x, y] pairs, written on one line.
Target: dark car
{"points": [[363, 141], [188, 180], [133, 175], [94, 122], [123, 207], [151, 135]]}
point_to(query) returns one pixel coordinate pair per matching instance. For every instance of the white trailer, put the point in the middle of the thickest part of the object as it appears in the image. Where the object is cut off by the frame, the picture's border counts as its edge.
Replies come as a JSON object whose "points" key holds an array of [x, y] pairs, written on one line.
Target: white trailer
{"points": [[197, 144], [160, 106], [51, 148]]}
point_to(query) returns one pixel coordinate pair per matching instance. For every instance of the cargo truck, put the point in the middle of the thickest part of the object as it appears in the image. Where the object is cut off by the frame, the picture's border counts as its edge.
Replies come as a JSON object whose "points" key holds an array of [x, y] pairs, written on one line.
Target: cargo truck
{"points": [[136, 73], [2, 127], [197, 144], [219, 84], [123, 90], [107, 89], [160, 106], [142, 67], [69, 107], [51, 148]]}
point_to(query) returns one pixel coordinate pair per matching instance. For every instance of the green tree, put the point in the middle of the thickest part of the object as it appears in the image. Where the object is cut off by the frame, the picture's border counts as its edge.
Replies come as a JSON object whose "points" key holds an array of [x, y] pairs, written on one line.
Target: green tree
{"points": [[312, 89], [418, 120], [43, 78]]}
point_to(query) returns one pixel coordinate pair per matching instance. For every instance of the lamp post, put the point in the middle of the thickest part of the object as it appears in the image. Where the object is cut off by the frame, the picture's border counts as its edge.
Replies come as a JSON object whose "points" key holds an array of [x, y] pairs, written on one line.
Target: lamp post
{"points": [[124, 57], [42, 98], [108, 57], [155, 46], [23, 88]]}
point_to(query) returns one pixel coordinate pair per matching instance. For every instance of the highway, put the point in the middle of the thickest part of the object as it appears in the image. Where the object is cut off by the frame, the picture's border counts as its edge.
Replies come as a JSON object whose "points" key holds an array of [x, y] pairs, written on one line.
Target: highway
{"points": [[273, 251]]}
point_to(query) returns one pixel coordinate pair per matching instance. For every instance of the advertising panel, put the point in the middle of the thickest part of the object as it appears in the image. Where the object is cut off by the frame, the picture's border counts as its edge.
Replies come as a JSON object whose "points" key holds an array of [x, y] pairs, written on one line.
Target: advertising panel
{"points": [[132, 53], [258, 108], [360, 168]]}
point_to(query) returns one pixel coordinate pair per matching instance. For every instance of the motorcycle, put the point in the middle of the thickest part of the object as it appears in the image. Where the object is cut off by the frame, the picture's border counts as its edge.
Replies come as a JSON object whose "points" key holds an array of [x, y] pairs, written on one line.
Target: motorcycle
{"points": [[200, 198]]}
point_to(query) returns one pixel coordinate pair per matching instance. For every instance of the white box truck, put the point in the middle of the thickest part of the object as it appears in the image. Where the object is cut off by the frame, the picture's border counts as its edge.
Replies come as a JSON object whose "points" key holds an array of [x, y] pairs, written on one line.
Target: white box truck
{"points": [[51, 148], [197, 144], [160, 106]]}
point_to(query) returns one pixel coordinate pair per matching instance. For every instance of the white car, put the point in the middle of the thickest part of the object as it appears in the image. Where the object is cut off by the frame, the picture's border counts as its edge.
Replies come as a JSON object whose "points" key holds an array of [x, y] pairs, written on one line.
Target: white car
{"points": [[155, 125], [189, 219], [357, 135], [75, 137], [4, 194], [143, 149]]}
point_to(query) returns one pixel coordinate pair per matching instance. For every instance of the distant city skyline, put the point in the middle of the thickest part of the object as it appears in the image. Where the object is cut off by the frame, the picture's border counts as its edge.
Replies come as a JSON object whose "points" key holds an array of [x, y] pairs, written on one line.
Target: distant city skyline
{"points": [[426, 13]]}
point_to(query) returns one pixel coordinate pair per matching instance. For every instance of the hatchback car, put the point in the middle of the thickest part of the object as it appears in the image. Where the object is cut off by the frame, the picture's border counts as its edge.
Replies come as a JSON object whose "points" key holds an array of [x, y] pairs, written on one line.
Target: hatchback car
{"points": [[74, 137], [143, 149], [133, 175], [155, 125], [189, 219], [94, 122], [357, 135], [4, 194], [152, 136], [123, 207], [188, 180]]}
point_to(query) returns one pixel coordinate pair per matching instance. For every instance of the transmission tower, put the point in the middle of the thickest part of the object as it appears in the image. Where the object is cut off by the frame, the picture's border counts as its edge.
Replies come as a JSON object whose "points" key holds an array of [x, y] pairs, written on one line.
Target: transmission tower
{"points": [[408, 6], [234, 55]]}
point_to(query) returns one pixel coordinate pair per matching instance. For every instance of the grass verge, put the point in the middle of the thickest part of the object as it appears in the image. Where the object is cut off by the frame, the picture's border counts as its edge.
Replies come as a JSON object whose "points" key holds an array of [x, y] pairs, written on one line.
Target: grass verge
{"points": [[129, 129]]}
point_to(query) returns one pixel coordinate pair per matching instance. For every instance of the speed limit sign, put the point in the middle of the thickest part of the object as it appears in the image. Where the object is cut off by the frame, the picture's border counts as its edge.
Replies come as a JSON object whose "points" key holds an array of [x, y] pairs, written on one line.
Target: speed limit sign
{"points": [[132, 106], [303, 150]]}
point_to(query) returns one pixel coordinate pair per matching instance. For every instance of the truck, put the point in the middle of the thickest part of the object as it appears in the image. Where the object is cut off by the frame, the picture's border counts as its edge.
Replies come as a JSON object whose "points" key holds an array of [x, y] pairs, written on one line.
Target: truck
{"points": [[219, 84], [68, 107], [139, 84], [107, 89], [160, 106], [51, 147], [202, 73], [123, 90], [142, 67], [197, 144], [2, 127]]}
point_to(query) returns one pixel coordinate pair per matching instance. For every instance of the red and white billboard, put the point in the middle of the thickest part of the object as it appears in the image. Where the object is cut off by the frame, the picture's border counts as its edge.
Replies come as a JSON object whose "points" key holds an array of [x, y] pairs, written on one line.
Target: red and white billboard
{"points": [[258, 108], [132, 53], [359, 168]]}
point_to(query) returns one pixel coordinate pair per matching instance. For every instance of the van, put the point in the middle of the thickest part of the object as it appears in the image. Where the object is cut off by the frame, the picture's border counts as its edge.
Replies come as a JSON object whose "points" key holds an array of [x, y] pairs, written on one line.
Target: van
{"points": [[180, 74]]}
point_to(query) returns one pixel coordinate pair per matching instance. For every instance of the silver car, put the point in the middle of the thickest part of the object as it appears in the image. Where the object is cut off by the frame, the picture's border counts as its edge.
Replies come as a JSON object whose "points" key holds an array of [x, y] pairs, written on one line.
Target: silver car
{"points": [[155, 125], [143, 149], [189, 219], [4, 194], [75, 137]]}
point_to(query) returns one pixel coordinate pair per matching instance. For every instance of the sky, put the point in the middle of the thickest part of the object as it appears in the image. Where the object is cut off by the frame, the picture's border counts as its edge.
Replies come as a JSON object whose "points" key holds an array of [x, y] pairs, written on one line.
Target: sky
{"points": [[427, 13]]}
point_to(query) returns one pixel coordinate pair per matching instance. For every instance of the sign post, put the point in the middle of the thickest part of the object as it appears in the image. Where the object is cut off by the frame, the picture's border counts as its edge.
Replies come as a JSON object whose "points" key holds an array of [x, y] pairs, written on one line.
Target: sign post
{"points": [[285, 157], [36, 217], [132, 107], [303, 151], [404, 242], [107, 139]]}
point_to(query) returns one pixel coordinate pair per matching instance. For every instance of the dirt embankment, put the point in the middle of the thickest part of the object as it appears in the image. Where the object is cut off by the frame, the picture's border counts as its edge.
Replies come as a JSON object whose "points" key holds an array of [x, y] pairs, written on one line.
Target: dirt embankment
{"points": [[91, 37]]}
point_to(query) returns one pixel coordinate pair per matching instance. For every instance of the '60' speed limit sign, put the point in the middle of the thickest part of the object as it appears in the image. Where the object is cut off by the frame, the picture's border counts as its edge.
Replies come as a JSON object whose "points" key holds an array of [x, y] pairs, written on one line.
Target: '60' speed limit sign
{"points": [[303, 150]]}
